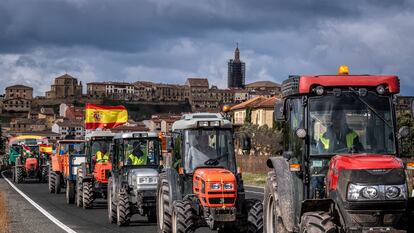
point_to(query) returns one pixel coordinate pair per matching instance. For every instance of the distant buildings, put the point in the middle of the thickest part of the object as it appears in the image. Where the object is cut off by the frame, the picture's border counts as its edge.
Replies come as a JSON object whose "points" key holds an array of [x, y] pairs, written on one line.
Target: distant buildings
{"points": [[69, 129], [18, 99], [258, 111], [65, 86], [113, 90], [236, 74]]}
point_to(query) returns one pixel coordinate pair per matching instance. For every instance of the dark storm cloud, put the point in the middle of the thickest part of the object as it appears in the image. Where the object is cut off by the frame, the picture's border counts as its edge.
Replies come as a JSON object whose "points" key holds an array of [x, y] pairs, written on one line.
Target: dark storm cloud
{"points": [[168, 41]]}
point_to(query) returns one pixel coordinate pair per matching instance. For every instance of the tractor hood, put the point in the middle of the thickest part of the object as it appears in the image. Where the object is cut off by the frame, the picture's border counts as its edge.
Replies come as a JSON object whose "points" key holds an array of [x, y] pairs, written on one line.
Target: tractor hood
{"points": [[214, 175], [143, 178], [362, 163]]}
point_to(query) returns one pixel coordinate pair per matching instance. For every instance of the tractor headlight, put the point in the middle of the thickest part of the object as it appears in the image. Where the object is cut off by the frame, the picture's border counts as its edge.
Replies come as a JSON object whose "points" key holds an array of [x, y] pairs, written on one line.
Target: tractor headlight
{"points": [[228, 186], [376, 192], [148, 180], [215, 186]]}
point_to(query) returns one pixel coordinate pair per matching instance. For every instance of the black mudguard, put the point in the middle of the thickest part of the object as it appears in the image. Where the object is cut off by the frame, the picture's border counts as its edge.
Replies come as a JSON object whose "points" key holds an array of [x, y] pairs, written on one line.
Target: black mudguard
{"points": [[174, 183], [287, 194]]}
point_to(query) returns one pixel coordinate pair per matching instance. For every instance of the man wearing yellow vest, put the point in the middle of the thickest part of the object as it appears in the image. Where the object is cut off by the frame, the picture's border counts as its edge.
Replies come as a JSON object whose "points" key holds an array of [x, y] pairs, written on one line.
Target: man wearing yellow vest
{"points": [[138, 156], [339, 137], [102, 154]]}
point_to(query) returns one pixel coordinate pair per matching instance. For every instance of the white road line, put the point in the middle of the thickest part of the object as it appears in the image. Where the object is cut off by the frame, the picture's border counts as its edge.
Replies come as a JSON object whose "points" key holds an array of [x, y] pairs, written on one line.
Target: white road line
{"points": [[252, 186], [38, 207]]}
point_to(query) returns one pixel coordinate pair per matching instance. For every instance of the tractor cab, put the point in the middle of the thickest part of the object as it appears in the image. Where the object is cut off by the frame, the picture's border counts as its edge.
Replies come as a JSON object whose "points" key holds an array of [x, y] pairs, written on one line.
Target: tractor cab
{"points": [[340, 168], [97, 148]]}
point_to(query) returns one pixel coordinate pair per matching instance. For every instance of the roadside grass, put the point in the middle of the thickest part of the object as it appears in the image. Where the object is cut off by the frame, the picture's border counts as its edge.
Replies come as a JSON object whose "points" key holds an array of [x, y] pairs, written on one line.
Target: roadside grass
{"points": [[255, 179], [4, 217]]}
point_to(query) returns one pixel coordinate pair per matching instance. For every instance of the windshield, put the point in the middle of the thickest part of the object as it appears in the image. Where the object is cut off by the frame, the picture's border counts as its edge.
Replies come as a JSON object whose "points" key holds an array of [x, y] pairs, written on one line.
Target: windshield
{"points": [[34, 150], [209, 148], [141, 152], [100, 146], [75, 148], [349, 123]]}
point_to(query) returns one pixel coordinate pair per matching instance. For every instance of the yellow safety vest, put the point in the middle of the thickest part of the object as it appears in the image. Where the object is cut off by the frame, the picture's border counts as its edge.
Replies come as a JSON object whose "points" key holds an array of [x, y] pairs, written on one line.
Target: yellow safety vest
{"points": [[100, 157], [142, 160], [350, 137]]}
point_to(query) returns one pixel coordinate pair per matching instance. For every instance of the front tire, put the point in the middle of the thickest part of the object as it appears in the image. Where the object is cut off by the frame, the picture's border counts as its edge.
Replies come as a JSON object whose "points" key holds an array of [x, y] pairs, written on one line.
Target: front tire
{"points": [[317, 222], [58, 183], [255, 218], [70, 192], [272, 220], [123, 211], [52, 181], [112, 214], [79, 190], [183, 217], [164, 205], [87, 195], [19, 174]]}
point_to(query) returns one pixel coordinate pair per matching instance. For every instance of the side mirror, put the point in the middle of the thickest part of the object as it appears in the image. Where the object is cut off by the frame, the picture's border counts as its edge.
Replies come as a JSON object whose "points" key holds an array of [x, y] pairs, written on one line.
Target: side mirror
{"points": [[279, 112], [403, 132], [246, 143]]}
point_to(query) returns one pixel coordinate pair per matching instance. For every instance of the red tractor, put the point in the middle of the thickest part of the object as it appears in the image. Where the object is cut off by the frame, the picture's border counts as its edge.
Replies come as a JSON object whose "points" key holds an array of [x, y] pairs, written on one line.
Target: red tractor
{"points": [[340, 170], [92, 177]]}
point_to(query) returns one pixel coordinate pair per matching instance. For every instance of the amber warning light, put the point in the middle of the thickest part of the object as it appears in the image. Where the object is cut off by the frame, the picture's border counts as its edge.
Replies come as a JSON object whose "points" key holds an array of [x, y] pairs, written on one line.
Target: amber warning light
{"points": [[343, 70]]}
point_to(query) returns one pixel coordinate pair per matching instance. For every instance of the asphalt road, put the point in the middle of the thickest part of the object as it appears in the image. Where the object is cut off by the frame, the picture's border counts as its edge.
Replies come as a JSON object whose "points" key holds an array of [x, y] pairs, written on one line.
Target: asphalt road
{"points": [[93, 220]]}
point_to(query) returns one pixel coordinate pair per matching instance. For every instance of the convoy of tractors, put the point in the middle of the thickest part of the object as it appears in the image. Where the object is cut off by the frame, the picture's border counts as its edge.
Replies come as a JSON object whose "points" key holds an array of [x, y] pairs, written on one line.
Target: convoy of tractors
{"points": [[339, 171]]}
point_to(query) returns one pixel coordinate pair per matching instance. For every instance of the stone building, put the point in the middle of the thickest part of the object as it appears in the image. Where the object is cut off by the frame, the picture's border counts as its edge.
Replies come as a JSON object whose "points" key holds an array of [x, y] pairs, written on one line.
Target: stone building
{"points": [[272, 88], [65, 86], [69, 129], [236, 71], [112, 90], [200, 99], [18, 99]]}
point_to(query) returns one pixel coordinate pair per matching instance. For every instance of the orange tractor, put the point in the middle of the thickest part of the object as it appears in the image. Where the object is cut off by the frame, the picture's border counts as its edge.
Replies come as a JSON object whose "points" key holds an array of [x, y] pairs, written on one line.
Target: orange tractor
{"points": [[64, 164], [92, 177], [201, 186]]}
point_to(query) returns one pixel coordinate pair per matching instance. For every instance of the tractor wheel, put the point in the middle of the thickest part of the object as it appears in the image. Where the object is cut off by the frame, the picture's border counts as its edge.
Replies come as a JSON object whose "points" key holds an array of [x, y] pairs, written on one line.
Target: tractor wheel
{"points": [[58, 183], [44, 174], [164, 205], [183, 217], [272, 220], [19, 174], [123, 211], [52, 181], [87, 195], [255, 218], [317, 222], [112, 215], [79, 190], [70, 192], [152, 216]]}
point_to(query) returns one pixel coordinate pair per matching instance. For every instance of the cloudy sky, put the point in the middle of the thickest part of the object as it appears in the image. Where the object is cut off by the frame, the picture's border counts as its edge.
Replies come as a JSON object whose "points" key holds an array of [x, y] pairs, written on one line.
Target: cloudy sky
{"points": [[169, 41]]}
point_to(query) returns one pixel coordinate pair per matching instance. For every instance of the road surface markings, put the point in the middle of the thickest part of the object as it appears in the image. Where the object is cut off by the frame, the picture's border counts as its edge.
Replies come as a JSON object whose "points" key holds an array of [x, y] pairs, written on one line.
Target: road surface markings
{"points": [[38, 207], [255, 192]]}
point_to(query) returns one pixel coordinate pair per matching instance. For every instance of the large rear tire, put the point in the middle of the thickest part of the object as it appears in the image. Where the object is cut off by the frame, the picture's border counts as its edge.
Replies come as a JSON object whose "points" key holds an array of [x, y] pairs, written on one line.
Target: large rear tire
{"points": [[272, 220], [52, 181], [19, 174], [70, 192], [87, 195], [183, 217], [123, 211], [317, 222], [58, 183], [112, 215], [79, 190], [255, 218], [164, 205]]}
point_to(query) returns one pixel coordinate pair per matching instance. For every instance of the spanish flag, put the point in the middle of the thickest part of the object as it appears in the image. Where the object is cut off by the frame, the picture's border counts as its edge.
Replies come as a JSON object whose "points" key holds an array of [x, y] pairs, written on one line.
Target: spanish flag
{"points": [[46, 149], [106, 117]]}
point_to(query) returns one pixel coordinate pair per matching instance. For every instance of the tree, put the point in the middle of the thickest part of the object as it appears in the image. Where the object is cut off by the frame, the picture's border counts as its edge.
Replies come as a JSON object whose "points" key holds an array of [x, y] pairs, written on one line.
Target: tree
{"points": [[406, 144], [265, 141]]}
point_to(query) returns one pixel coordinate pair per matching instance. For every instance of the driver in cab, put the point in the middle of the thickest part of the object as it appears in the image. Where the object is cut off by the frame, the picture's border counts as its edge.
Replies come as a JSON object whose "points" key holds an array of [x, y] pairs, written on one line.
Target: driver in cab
{"points": [[102, 154], [139, 155], [200, 151], [338, 136]]}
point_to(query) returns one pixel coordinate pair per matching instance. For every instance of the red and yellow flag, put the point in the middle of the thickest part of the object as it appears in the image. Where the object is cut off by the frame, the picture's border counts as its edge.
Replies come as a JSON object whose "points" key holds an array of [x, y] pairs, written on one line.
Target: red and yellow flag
{"points": [[106, 117], [46, 149]]}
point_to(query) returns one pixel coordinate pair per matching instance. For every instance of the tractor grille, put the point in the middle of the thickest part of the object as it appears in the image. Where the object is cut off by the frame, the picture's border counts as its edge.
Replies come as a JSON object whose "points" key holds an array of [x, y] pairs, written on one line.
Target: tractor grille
{"points": [[217, 201]]}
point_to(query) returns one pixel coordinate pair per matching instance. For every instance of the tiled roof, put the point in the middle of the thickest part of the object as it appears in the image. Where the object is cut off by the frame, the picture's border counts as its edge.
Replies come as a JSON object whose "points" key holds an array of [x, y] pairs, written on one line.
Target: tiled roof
{"points": [[19, 87], [70, 124], [248, 103], [197, 82], [267, 103], [262, 84]]}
